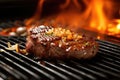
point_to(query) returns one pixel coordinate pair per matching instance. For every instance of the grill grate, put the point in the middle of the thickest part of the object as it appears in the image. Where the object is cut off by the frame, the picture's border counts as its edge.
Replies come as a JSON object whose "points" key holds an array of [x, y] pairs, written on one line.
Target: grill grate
{"points": [[104, 66]]}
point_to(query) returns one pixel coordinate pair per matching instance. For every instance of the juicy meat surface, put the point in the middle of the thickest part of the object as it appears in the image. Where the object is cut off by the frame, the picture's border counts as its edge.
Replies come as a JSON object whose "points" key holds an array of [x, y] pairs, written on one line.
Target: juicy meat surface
{"points": [[58, 43]]}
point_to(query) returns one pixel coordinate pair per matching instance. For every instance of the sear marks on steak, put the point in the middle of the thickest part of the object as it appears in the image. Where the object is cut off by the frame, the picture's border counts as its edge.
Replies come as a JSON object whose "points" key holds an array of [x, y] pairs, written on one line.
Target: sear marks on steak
{"points": [[46, 42]]}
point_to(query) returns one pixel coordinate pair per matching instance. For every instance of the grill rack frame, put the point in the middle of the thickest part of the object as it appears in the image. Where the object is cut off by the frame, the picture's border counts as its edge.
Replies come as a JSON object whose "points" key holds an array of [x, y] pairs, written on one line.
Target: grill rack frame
{"points": [[104, 66]]}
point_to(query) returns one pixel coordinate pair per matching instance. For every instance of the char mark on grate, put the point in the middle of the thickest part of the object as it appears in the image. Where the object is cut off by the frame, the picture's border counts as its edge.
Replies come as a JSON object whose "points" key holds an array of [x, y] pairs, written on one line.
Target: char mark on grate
{"points": [[15, 66]]}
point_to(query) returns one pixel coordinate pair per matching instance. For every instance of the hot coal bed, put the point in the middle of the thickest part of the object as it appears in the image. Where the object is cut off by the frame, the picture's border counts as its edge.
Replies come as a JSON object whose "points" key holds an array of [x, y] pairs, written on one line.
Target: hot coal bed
{"points": [[15, 66]]}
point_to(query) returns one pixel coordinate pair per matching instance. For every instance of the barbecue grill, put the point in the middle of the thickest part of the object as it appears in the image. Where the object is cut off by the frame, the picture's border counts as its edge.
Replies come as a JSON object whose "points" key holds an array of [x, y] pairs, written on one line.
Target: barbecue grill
{"points": [[16, 66]]}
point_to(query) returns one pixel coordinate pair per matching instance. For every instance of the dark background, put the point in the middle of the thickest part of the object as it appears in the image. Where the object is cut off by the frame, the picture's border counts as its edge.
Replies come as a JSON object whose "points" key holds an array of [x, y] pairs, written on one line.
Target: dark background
{"points": [[26, 8], [16, 8]]}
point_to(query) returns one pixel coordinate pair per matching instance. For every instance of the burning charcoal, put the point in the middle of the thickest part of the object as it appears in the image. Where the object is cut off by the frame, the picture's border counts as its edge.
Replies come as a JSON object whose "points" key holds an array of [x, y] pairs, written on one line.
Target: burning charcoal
{"points": [[21, 30]]}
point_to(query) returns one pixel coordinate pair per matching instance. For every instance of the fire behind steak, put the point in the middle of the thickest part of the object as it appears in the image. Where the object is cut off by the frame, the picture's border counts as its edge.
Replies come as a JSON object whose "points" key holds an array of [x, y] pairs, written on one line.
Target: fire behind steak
{"points": [[47, 42]]}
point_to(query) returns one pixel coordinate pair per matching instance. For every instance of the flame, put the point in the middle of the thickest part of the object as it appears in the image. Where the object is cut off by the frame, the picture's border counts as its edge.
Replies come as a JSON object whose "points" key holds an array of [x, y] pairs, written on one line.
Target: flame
{"points": [[118, 26], [95, 15], [114, 28], [37, 13], [93, 18]]}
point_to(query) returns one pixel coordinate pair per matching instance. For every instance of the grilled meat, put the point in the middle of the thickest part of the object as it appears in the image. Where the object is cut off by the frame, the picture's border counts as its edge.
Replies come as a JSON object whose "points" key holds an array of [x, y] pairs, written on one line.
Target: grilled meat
{"points": [[58, 43]]}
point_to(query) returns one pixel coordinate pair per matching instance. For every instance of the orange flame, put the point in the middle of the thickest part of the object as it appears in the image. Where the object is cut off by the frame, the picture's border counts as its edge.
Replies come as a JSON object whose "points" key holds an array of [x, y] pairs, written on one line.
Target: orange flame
{"points": [[96, 16], [114, 28], [37, 14]]}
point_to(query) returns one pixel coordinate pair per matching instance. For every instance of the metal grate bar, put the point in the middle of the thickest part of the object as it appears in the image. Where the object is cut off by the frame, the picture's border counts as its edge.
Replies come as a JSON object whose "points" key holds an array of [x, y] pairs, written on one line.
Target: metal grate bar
{"points": [[109, 64], [38, 69], [19, 67], [116, 67], [111, 48], [28, 66], [12, 41], [14, 70], [44, 68], [79, 72], [109, 68], [100, 69], [108, 44], [63, 71], [109, 59], [104, 66], [102, 72], [81, 67], [3, 76], [107, 54]]}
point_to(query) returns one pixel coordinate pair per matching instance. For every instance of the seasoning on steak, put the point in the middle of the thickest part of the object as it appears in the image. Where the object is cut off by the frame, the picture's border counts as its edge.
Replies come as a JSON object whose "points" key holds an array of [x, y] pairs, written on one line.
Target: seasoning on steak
{"points": [[57, 43]]}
